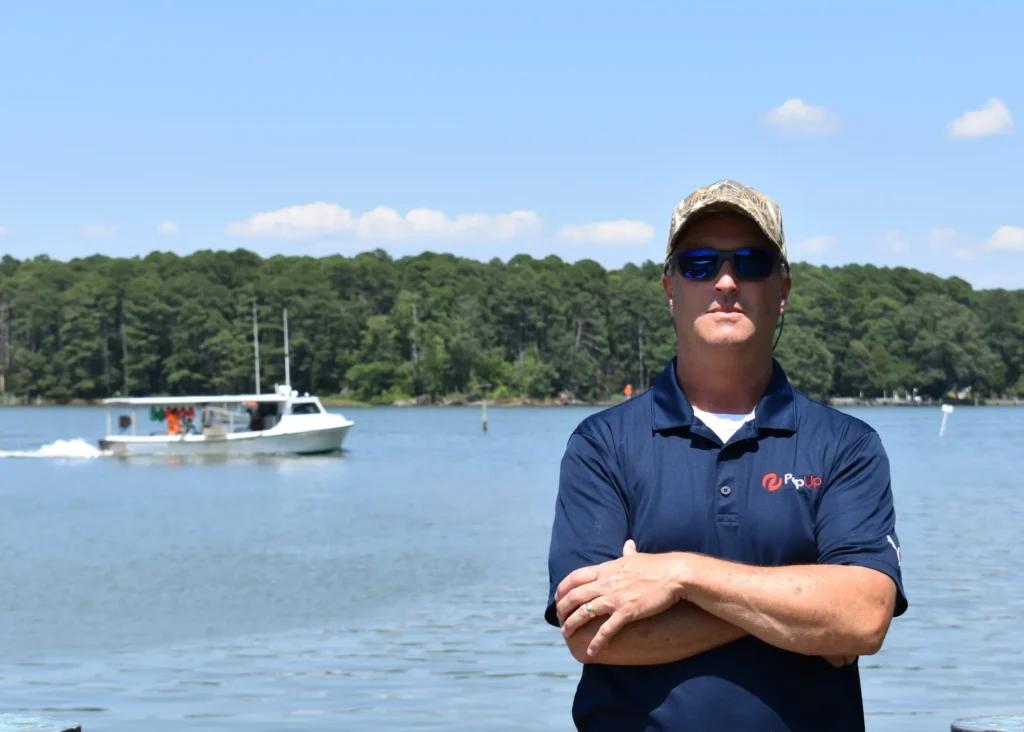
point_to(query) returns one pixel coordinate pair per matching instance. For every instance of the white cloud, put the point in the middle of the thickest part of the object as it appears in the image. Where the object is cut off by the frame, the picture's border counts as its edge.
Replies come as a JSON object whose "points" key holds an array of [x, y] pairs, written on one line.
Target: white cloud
{"points": [[896, 241], [326, 219], [3, 231], [622, 231], [941, 238], [817, 244], [797, 118], [1007, 239], [964, 254], [992, 119], [98, 231], [167, 228]]}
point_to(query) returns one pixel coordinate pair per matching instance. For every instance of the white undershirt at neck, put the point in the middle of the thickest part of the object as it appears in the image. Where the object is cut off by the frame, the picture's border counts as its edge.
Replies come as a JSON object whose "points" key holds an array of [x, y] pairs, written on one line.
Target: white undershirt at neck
{"points": [[723, 425]]}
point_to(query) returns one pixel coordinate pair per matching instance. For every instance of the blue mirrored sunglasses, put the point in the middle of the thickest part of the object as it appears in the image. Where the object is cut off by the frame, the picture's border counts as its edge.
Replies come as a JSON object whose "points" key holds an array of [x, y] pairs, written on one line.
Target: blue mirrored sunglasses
{"points": [[703, 264]]}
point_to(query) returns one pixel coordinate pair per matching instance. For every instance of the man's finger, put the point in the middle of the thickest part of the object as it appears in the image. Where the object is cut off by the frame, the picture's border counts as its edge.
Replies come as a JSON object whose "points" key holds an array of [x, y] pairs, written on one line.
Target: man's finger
{"points": [[575, 599], [580, 617], [580, 577], [629, 548], [606, 632]]}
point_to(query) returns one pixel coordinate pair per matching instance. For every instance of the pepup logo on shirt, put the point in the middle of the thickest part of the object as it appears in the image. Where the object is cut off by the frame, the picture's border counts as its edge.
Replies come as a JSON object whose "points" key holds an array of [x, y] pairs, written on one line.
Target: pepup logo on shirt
{"points": [[772, 481]]}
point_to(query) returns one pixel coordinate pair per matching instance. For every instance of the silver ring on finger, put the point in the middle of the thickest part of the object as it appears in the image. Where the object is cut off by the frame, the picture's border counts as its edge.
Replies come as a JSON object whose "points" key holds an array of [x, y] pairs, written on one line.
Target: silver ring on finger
{"points": [[588, 608]]}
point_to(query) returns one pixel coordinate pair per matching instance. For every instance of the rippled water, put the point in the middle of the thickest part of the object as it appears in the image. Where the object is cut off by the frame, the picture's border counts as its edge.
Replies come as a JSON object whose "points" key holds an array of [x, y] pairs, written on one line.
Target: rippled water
{"points": [[401, 585]]}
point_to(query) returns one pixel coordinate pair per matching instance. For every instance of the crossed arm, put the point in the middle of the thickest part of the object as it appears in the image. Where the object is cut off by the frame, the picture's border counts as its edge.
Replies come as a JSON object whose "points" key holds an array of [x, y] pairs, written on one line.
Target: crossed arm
{"points": [[657, 608], [682, 631], [652, 608]]}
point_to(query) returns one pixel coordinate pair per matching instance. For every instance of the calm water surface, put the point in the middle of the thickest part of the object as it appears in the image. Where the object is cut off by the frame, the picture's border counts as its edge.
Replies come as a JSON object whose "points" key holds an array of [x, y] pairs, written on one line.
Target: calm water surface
{"points": [[401, 585]]}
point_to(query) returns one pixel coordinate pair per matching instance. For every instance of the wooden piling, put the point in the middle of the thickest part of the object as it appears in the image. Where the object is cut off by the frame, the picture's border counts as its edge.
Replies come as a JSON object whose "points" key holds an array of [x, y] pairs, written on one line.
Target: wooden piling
{"points": [[483, 404]]}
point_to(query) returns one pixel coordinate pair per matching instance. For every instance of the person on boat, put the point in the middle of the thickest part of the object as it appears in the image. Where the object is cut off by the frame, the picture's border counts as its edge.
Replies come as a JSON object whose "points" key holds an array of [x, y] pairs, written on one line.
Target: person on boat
{"points": [[723, 547], [173, 423], [255, 421], [188, 416]]}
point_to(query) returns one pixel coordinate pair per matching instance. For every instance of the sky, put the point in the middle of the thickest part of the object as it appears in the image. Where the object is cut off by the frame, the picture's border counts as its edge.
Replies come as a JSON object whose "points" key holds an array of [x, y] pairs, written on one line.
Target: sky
{"points": [[888, 135]]}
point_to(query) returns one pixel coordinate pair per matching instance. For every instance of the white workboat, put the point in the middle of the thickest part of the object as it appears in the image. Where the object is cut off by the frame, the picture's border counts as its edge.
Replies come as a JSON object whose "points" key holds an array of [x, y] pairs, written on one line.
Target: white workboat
{"points": [[243, 424], [281, 423]]}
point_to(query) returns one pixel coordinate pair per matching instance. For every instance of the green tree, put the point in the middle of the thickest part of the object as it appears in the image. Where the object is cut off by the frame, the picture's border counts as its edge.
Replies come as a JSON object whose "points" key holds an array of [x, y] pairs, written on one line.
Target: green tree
{"points": [[855, 372], [377, 328], [807, 362], [945, 341]]}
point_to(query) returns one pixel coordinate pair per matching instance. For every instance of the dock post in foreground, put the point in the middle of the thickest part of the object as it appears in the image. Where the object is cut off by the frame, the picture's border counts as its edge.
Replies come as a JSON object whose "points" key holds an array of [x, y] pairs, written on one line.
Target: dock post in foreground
{"points": [[22, 723], [989, 724]]}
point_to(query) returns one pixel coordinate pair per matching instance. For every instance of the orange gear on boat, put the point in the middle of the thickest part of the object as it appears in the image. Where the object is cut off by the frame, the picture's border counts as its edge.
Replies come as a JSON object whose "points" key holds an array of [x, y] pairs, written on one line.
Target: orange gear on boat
{"points": [[172, 421]]}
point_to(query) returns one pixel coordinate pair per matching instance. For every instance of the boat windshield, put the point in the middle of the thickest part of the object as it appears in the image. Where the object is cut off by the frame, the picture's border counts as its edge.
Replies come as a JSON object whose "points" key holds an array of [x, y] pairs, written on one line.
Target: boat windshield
{"points": [[249, 417]]}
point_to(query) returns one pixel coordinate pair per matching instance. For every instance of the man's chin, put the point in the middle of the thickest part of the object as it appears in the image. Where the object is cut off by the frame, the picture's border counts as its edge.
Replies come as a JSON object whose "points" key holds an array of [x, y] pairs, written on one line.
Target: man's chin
{"points": [[727, 337]]}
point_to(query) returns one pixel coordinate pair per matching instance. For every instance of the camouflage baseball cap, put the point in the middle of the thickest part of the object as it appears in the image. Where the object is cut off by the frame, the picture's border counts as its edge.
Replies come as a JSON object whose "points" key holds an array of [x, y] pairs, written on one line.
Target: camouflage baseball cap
{"points": [[728, 195]]}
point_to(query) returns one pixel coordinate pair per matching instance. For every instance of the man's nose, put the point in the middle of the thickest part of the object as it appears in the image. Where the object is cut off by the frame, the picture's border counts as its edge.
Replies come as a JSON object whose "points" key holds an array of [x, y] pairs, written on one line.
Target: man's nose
{"points": [[726, 278]]}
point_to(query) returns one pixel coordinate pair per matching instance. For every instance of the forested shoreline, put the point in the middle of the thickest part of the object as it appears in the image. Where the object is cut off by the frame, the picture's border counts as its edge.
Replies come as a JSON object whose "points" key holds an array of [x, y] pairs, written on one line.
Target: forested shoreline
{"points": [[374, 329]]}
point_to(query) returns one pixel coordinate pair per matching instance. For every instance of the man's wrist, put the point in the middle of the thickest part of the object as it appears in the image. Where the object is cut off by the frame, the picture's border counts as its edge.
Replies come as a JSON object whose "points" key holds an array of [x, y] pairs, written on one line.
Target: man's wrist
{"points": [[684, 573]]}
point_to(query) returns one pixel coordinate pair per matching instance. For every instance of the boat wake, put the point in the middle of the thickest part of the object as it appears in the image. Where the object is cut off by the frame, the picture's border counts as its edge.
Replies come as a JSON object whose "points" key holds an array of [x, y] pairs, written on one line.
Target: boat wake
{"points": [[77, 449]]}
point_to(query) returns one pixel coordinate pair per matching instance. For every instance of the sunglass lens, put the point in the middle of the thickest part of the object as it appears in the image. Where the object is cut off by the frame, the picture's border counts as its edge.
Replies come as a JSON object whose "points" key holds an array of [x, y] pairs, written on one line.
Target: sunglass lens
{"points": [[754, 264], [698, 265]]}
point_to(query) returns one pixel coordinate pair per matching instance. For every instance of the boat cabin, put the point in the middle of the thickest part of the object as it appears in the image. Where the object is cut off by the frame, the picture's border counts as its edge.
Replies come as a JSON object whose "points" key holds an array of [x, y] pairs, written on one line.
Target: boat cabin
{"points": [[213, 415]]}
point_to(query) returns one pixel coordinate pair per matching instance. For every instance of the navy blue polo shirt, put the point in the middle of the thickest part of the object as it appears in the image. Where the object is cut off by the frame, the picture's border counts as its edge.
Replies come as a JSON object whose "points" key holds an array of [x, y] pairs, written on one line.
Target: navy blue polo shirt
{"points": [[801, 483]]}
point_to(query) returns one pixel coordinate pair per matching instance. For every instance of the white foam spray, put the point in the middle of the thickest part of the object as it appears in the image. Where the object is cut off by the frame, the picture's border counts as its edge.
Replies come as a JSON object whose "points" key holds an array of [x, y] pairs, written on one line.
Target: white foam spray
{"points": [[74, 449]]}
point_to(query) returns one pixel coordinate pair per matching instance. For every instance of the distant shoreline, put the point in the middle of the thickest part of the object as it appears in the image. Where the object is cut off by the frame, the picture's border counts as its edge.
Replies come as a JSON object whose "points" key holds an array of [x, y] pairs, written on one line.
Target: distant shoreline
{"points": [[347, 404], [856, 402], [837, 402]]}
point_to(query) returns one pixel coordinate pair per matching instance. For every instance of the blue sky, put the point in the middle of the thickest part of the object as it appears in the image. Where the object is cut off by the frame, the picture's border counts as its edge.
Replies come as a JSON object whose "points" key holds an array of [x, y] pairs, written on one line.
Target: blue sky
{"points": [[340, 127]]}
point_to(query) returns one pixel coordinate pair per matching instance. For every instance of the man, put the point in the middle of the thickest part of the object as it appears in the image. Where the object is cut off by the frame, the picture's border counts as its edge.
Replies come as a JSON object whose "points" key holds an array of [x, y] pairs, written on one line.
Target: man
{"points": [[723, 547]]}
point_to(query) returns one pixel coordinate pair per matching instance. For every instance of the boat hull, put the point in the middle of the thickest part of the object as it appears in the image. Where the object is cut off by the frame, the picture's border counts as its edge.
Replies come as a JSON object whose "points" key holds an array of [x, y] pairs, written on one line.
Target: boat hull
{"points": [[269, 442]]}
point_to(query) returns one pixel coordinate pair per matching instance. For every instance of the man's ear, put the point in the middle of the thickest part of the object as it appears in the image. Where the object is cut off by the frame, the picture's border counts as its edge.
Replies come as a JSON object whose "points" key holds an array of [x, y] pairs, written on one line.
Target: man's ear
{"points": [[669, 286], [784, 290]]}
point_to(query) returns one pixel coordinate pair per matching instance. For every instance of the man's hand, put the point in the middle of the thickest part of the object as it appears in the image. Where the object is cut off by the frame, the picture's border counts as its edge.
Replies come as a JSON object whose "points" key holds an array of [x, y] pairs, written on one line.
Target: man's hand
{"points": [[631, 588]]}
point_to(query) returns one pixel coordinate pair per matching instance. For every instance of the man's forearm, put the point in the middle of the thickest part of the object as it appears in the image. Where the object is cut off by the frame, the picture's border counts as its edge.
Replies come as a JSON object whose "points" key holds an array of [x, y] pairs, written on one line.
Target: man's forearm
{"points": [[682, 631], [814, 609]]}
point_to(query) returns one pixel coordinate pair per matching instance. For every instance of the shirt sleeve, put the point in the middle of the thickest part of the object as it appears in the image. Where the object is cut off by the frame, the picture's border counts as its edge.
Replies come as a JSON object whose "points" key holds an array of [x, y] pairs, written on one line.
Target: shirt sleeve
{"points": [[856, 522], [591, 522]]}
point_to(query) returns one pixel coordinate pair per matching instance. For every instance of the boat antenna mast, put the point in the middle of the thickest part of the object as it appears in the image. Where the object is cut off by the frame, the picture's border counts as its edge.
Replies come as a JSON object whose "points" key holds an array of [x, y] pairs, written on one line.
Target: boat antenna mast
{"points": [[287, 363], [256, 345]]}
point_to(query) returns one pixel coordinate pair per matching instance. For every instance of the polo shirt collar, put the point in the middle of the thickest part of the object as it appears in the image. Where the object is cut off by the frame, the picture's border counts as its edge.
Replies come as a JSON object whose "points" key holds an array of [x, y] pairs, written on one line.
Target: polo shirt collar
{"points": [[775, 410], [671, 407]]}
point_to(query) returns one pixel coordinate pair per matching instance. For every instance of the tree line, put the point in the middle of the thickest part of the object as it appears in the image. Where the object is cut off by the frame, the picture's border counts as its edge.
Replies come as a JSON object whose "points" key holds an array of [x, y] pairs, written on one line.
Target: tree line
{"points": [[376, 329]]}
